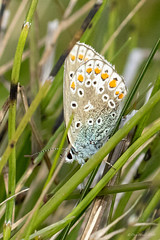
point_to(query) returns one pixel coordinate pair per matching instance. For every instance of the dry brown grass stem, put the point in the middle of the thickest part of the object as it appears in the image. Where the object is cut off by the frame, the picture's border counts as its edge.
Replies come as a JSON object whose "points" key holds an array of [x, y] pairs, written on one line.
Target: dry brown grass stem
{"points": [[122, 25], [63, 26], [69, 9], [12, 26], [4, 68], [66, 23]]}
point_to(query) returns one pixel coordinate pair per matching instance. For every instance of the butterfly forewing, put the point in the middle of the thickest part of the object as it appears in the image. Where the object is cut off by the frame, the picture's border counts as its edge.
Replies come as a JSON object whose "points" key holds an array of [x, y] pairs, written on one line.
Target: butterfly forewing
{"points": [[92, 92], [79, 55]]}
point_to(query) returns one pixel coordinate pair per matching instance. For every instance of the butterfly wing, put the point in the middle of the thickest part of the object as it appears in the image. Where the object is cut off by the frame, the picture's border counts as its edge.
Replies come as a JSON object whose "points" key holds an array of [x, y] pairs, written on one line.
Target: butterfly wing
{"points": [[92, 92], [80, 54]]}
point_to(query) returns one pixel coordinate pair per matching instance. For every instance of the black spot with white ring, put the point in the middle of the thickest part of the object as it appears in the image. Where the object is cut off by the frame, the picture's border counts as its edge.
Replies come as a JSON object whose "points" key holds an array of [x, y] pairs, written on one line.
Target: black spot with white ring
{"points": [[71, 74], [94, 83], [88, 83], [111, 104], [101, 90], [90, 121], [105, 97], [74, 104], [80, 92], [78, 124], [107, 131], [99, 121], [113, 115]]}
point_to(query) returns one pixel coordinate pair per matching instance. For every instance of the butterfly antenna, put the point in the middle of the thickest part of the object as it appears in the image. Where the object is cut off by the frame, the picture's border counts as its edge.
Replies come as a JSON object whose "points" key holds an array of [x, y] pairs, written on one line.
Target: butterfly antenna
{"points": [[43, 151]]}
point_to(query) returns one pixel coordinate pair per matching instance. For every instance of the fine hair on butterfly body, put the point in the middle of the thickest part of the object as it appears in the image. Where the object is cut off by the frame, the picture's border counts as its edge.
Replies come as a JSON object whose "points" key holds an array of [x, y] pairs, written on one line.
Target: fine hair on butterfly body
{"points": [[92, 92]]}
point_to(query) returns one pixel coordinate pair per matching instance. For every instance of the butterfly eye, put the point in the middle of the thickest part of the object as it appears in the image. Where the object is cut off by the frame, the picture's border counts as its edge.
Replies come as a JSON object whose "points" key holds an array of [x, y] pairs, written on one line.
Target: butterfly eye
{"points": [[69, 155]]}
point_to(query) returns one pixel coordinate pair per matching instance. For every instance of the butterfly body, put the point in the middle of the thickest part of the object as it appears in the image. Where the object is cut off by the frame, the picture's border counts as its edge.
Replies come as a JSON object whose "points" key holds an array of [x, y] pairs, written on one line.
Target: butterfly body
{"points": [[92, 93]]}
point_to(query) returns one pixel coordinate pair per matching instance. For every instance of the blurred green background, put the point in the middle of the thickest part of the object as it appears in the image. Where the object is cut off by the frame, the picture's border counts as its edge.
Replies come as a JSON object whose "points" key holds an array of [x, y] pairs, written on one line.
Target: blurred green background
{"points": [[143, 29]]}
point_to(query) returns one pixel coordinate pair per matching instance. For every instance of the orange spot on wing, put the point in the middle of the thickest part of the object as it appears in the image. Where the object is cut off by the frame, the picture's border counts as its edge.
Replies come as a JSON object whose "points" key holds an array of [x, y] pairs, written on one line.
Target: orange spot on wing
{"points": [[73, 85], [121, 96], [86, 59], [97, 70], [80, 56], [72, 57], [80, 78], [117, 92], [113, 83], [89, 70], [104, 76]]}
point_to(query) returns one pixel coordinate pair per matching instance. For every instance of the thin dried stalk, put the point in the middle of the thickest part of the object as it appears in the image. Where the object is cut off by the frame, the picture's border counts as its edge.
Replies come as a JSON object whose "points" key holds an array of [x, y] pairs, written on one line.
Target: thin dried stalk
{"points": [[69, 9], [68, 23], [122, 25], [4, 110], [4, 68], [63, 26], [11, 28]]}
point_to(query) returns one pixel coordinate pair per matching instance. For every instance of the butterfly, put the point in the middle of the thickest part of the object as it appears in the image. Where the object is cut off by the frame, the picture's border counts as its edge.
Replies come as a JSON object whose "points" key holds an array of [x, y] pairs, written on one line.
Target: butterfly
{"points": [[92, 92]]}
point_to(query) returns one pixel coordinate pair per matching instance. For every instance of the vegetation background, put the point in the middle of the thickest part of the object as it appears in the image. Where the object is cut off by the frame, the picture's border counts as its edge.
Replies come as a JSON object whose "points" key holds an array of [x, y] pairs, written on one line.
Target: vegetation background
{"points": [[137, 25]]}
